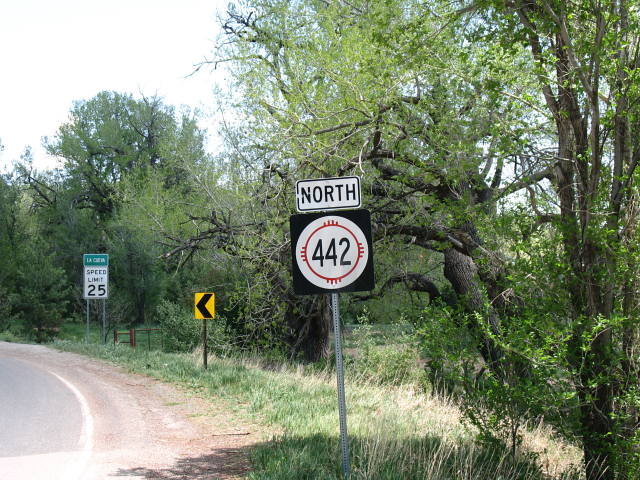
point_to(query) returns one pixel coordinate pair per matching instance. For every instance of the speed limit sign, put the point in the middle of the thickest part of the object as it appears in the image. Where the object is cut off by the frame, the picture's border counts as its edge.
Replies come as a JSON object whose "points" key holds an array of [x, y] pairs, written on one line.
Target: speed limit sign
{"points": [[332, 252]]}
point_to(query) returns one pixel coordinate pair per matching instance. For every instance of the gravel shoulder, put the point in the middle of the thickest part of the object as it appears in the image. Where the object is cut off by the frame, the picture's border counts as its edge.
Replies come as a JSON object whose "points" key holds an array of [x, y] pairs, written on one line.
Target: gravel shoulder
{"points": [[142, 428]]}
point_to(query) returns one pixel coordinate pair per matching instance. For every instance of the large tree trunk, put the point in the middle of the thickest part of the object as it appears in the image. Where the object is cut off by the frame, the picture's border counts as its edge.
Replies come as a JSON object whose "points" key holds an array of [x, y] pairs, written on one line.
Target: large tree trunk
{"points": [[591, 359], [462, 272], [309, 319]]}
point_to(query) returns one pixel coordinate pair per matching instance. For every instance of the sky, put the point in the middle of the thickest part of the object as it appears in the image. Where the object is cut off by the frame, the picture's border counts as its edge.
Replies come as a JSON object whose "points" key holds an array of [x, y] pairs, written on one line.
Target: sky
{"points": [[53, 53]]}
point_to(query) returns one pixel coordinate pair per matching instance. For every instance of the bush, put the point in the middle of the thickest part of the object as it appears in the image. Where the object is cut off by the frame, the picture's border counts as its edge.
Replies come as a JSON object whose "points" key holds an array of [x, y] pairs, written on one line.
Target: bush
{"points": [[8, 336], [182, 333]]}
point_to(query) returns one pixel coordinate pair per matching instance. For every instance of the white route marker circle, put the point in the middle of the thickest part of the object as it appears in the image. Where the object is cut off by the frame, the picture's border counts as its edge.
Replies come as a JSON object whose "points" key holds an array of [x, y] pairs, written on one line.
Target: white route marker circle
{"points": [[332, 252]]}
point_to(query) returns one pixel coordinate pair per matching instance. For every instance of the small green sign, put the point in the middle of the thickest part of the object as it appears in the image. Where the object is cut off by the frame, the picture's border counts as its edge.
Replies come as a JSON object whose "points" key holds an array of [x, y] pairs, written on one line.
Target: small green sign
{"points": [[96, 259]]}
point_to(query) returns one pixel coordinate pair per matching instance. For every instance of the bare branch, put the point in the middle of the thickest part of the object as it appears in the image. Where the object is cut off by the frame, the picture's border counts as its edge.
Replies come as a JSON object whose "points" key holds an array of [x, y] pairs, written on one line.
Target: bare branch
{"points": [[527, 181], [416, 282], [570, 51]]}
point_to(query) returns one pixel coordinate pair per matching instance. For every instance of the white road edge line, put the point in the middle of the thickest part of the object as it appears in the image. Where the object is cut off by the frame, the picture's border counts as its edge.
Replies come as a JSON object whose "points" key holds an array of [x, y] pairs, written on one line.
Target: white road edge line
{"points": [[76, 470]]}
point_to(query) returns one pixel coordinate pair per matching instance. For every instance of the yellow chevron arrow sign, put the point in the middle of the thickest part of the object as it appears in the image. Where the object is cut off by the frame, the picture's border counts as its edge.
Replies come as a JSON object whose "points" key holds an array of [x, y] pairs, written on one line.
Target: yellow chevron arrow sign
{"points": [[205, 305]]}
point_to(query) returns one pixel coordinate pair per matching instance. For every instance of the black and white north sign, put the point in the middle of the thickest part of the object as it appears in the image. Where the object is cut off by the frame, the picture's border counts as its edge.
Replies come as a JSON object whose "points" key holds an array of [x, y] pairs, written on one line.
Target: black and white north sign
{"points": [[328, 194], [332, 252]]}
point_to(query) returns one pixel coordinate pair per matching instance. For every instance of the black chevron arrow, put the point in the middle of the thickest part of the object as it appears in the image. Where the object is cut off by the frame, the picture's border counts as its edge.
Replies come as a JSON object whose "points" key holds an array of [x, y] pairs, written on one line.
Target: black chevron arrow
{"points": [[202, 305]]}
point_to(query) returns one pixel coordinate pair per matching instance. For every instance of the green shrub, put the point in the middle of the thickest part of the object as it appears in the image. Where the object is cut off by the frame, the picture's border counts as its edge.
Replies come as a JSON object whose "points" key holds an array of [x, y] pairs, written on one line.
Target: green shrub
{"points": [[8, 336], [182, 333]]}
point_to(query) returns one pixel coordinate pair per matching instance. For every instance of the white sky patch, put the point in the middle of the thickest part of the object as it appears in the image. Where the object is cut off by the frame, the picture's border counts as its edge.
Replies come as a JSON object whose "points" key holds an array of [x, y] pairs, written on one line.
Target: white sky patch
{"points": [[54, 53]]}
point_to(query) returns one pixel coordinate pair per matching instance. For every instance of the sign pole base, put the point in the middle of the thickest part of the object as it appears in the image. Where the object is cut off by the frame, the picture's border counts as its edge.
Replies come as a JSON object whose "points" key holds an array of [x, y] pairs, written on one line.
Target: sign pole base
{"points": [[342, 406]]}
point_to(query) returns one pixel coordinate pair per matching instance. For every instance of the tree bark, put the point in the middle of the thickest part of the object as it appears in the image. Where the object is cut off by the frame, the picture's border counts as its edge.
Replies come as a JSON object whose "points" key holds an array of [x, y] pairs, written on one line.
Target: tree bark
{"points": [[462, 272], [309, 319]]}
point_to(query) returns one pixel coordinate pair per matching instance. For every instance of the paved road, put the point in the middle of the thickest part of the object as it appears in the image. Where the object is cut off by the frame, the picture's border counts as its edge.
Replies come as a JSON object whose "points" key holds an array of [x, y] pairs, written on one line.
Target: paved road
{"points": [[40, 413], [67, 417]]}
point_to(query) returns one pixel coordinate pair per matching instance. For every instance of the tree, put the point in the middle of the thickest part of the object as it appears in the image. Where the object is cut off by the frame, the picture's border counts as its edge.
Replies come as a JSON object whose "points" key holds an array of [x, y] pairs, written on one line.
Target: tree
{"points": [[113, 136], [253, 239], [10, 237], [113, 145], [32, 286], [446, 112], [327, 91], [585, 56]]}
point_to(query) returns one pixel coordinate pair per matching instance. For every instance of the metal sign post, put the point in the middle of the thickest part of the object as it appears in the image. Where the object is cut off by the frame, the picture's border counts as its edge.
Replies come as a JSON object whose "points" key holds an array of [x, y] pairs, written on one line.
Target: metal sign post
{"points": [[332, 253], [86, 335], [204, 344], [104, 320], [342, 404]]}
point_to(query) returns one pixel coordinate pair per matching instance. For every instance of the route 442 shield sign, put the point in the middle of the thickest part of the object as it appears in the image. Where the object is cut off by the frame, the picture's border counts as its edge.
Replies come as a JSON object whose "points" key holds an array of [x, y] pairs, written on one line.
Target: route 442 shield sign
{"points": [[332, 252]]}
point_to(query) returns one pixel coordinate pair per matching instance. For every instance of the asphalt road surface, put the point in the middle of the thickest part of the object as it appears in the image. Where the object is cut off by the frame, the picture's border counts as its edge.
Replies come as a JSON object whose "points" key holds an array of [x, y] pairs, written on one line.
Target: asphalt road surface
{"points": [[64, 416], [41, 414]]}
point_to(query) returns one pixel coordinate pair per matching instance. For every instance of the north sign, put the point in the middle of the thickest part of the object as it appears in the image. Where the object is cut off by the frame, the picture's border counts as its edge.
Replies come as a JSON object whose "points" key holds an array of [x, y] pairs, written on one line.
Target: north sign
{"points": [[204, 305], [96, 275], [332, 252], [328, 194]]}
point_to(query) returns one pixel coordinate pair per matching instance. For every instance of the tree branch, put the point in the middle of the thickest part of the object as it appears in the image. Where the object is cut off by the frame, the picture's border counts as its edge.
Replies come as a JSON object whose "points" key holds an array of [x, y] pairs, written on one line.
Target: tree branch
{"points": [[527, 181], [416, 282]]}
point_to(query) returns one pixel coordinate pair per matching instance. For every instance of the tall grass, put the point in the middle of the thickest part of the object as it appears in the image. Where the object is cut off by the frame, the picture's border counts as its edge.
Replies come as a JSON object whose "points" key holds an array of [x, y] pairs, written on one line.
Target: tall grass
{"points": [[395, 432]]}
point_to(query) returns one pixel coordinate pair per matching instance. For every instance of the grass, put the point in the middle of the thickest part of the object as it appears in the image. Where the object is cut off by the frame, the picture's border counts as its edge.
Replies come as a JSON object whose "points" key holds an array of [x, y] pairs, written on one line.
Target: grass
{"points": [[10, 337], [394, 432]]}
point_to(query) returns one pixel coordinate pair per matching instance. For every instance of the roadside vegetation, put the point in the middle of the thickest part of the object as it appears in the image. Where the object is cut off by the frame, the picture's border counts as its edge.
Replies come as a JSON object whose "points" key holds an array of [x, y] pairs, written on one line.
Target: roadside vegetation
{"points": [[396, 430], [498, 153]]}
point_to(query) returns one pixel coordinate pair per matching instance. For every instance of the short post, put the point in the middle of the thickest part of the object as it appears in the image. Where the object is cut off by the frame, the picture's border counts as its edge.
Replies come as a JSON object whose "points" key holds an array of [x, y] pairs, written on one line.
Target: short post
{"points": [[342, 405], [132, 337], [204, 343]]}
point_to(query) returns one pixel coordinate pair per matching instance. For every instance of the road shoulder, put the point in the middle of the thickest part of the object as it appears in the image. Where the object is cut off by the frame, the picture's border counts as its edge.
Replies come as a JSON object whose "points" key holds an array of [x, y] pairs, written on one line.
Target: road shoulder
{"points": [[147, 429]]}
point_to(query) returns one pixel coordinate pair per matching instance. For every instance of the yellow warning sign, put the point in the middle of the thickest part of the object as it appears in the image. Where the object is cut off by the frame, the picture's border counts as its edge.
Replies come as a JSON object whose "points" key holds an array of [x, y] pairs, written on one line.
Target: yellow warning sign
{"points": [[205, 305]]}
